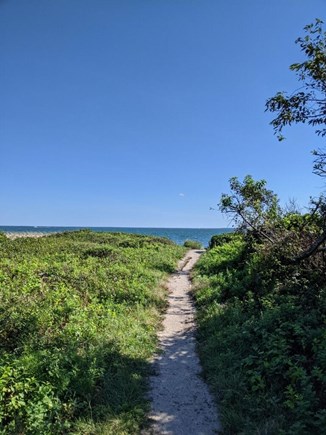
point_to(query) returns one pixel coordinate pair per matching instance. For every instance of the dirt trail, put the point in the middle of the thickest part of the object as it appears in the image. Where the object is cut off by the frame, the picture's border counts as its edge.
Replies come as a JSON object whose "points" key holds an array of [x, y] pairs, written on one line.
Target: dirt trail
{"points": [[181, 403]]}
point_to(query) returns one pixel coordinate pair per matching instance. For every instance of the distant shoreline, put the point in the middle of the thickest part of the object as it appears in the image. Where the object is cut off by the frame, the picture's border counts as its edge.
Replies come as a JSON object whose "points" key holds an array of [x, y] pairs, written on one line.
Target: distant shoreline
{"points": [[7, 229], [177, 235], [19, 234]]}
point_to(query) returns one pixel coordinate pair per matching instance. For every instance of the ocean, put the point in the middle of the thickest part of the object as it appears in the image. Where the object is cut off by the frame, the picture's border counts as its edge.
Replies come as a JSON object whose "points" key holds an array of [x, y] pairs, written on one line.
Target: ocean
{"points": [[178, 235]]}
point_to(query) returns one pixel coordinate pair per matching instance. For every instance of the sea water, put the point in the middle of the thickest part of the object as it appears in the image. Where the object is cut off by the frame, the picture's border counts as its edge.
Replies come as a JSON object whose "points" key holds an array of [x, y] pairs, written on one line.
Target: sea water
{"points": [[177, 235]]}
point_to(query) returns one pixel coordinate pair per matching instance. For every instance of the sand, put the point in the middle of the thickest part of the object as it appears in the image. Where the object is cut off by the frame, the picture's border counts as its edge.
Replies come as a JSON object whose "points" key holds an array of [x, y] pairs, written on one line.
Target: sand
{"points": [[13, 235], [181, 402]]}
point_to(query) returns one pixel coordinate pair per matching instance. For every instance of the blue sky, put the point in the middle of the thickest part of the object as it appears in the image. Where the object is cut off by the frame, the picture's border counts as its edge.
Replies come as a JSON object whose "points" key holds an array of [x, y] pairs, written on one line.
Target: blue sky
{"points": [[137, 112]]}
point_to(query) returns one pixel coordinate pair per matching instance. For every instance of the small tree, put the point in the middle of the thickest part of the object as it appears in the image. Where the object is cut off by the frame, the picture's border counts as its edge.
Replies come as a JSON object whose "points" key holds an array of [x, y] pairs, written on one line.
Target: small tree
{"points": [[255, 209], [251, 206], [307, 105]]}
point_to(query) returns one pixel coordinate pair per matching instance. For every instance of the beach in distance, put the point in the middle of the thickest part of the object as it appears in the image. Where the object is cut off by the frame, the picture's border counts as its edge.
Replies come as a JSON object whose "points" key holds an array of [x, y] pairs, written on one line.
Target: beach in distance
{"points": [[177, 235]]}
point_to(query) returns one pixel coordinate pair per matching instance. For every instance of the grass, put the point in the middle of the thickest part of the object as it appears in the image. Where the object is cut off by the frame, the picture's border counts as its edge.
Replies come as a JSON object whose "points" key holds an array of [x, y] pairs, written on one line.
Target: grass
{"points": [[78, 319]]}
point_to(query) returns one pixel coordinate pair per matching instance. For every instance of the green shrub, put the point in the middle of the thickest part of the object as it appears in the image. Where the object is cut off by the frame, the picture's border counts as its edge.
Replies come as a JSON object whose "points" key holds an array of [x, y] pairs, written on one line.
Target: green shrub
{"points": [[78, 319], [101, 252], [261, 339], [192, 244], [220, 239]]}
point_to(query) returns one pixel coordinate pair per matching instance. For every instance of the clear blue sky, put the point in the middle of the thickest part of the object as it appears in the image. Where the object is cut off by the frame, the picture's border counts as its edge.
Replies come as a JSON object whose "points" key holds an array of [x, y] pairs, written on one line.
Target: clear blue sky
{"points": [[137, 112]]}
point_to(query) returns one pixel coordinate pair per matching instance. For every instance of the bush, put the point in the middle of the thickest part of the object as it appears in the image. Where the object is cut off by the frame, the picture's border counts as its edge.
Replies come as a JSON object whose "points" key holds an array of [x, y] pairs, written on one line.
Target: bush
{"points": [[78, 319], [220, 239], [192, 244], [261, 339]]}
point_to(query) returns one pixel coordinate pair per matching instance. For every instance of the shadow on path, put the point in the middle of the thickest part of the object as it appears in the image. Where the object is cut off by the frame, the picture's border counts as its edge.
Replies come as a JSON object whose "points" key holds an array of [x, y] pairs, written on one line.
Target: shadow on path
{"points": [[181, 403]]}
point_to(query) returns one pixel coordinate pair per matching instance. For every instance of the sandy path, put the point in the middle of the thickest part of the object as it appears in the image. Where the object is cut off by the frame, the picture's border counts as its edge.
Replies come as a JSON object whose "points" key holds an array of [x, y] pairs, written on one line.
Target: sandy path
{"points": [[181, 403]]}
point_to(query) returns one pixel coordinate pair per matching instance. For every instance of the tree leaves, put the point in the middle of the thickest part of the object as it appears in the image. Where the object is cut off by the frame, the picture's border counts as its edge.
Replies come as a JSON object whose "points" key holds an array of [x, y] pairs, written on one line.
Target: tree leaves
{"points": [[251, 205], [309, 104]]}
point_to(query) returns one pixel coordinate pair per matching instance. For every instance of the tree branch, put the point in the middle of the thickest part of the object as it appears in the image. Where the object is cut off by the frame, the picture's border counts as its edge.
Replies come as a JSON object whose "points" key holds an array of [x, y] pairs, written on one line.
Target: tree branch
{"points": [[312, 250]]}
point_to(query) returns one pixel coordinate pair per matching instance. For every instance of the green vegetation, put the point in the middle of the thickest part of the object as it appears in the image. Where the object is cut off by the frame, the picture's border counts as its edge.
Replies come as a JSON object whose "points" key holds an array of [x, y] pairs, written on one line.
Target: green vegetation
{"points": [[261, 292], [262, 337], [306, 104], [192, 244], [220, 239], [78, 320]]}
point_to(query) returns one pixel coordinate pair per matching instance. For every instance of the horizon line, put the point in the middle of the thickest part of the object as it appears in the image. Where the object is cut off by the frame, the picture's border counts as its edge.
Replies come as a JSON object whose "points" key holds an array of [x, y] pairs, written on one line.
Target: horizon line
{"points": [[90, 226]]}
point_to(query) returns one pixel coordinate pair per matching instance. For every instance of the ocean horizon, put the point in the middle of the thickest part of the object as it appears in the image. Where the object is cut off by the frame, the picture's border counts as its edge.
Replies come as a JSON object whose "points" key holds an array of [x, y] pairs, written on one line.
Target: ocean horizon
{"points": [[177, 235]]}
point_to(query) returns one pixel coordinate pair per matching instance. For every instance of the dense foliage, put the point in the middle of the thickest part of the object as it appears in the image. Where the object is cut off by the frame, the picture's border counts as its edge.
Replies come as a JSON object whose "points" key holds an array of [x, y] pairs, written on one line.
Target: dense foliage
{"points": [[192, 244], [78, 318], [261, 292], [252, 206], [262, 337]]}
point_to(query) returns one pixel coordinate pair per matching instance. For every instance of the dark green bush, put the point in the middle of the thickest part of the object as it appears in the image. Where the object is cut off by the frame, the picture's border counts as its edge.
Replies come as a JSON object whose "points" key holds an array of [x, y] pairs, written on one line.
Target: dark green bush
{"points": [[262, 340], [101, 252], [220, 239]]}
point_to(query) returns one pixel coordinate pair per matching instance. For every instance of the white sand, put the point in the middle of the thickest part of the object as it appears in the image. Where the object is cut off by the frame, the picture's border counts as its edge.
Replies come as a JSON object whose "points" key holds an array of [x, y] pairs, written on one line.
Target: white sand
{"points": [[13, 235]]}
